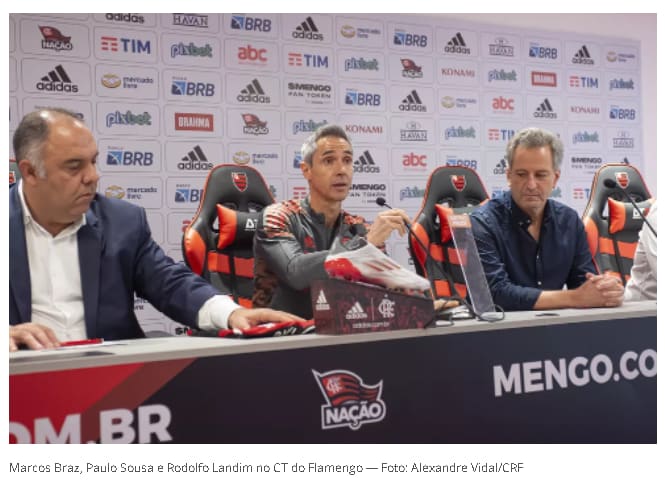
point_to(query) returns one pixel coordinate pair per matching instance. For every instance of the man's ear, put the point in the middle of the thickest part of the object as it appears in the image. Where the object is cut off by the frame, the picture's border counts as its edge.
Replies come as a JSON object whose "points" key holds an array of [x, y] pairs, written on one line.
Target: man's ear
{"points": [[28, 173], [557, 175], [306, 170]]}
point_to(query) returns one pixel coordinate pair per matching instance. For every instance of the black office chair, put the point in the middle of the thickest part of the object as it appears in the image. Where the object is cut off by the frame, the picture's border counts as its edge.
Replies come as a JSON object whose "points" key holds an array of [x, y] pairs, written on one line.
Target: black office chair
{"points": [[611, 225], [450, 189], [218, 243]]}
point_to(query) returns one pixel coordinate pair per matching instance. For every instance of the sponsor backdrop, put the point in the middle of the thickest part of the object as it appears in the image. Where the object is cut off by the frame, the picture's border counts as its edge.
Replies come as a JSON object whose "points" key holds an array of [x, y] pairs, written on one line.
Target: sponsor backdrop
{"points": [[170, 95]]}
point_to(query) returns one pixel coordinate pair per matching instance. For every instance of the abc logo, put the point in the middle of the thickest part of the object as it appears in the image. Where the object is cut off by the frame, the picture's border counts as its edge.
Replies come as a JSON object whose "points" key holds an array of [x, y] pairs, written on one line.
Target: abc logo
{"points": [[251, 54], [501, 103], [413, 160]]}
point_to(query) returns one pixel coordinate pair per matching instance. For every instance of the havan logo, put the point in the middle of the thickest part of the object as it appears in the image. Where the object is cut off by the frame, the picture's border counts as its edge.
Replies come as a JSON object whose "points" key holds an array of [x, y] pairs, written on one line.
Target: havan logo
{"points": [[349, 402]]}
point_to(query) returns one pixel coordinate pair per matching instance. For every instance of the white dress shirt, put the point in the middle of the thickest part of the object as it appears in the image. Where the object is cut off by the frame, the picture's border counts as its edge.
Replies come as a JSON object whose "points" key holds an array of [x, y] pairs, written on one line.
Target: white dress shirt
{"points": [[643, 283], [55, 282], [55, 277]]}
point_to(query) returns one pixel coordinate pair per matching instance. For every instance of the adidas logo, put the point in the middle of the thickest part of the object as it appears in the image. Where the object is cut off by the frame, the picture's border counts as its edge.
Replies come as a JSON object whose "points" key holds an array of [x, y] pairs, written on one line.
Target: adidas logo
{"points": [[356, 312], [195, 159], [307, 30], [456, 45], [57, 81], [253, 93], [196, 154], [500, 168], [365, 164], [321, 302], [545, 110], [412, 103], [582, 56]]}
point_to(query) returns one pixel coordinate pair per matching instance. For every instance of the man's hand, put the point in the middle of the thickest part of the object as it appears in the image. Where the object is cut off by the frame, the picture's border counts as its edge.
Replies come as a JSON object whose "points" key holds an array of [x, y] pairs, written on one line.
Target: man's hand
{"points": [[600, 291], [34, 336], [386, 222], [244, 318]]}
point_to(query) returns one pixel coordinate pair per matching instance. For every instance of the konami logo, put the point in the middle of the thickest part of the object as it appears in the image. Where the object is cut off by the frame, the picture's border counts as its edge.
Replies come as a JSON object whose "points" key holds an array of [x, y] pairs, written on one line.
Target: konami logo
{"points": [[194, 122]]}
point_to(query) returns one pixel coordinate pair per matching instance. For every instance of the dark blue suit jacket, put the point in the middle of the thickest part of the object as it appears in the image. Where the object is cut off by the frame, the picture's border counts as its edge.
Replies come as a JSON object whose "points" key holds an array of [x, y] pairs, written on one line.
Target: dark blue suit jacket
{"points": [[117, 258]]}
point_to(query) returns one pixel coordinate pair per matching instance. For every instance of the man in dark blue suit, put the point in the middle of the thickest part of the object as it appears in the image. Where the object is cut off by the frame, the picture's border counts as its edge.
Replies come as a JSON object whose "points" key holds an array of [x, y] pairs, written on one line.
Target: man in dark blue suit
{"points": [[77, 258]]}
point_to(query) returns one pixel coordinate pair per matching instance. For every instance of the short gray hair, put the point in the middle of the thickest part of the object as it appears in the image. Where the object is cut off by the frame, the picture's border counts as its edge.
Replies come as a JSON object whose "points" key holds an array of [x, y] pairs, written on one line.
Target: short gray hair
{"points": [[310, 145], [534, 137], [31, 134]]}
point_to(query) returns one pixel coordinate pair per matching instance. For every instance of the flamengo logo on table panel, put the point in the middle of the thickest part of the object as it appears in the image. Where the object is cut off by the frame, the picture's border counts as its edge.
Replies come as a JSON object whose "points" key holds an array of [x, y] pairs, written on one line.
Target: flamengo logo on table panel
{"points": [[349, 402]]}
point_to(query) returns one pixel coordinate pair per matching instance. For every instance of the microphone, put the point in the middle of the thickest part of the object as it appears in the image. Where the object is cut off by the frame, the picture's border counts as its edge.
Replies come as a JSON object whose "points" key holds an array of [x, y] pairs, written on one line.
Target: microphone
{"points": [[381, 202], [609, 183]]}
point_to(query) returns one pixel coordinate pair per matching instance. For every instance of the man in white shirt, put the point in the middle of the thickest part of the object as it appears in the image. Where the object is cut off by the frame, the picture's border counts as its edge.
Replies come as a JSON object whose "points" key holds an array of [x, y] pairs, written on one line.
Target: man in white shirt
{"points": [[77, 258], [643, 283]]}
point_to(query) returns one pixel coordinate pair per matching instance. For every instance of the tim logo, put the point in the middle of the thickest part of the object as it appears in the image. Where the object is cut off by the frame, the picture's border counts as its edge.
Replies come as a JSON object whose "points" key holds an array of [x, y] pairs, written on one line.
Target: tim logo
{"points": [[54, 39], [622, 179], [307, 30], [115, 44], [240, 22], [308, 60], [349, 402], [403, 38], [239, 180]]}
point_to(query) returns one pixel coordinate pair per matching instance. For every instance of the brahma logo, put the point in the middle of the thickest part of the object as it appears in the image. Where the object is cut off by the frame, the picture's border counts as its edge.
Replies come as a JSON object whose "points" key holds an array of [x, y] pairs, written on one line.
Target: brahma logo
{"points": [[349, 402], [239, 180], [194, 122], [543, 78], [622, 179], [458, 181], [253, 125], [54, 39]]}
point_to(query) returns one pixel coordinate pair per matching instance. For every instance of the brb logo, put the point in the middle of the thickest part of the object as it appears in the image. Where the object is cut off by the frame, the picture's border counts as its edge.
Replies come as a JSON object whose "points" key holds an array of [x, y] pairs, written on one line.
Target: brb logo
{"points": [[349, 402], [403, 38]]}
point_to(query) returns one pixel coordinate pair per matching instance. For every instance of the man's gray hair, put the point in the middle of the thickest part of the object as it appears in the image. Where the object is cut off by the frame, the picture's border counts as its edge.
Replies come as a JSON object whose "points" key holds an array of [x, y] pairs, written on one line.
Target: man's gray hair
{"points": [[31, 134], [309, 146], [534, 137]]}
